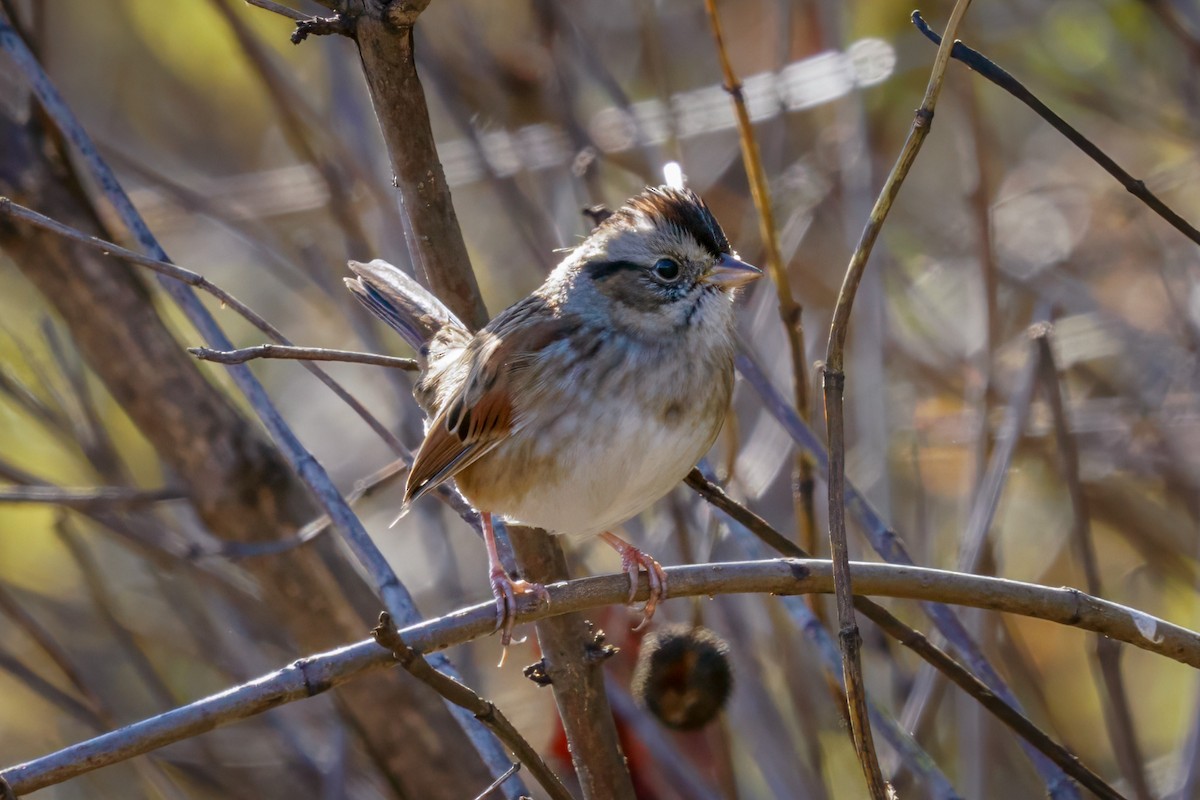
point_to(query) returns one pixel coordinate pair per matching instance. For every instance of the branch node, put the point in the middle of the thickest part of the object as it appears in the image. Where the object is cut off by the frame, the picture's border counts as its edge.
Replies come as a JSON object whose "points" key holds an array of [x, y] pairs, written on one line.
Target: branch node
{"points": [[402, 14], [537, 673], [1080, 599], [923, 118], [387, 637], [312, 687], [597, 651], [338, 24], [833, 378]]}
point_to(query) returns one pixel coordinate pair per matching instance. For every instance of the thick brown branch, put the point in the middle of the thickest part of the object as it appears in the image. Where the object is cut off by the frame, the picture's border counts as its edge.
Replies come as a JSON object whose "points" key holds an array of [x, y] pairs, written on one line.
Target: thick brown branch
{"points": [[385, 42], [576, 679]]}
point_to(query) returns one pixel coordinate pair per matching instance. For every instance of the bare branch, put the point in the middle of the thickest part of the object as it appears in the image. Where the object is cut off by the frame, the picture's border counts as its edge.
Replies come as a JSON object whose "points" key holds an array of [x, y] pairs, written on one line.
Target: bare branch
{"points": [[278, 8], [336, 24], [835, 384], [460, 694], [789, 309], [500, 779], [244, 354], [885, 541], [572, 659], [103, 497], [169, 270], [436, 248], [316, 674], [1118, 713], [281, 494], [988, 69]]}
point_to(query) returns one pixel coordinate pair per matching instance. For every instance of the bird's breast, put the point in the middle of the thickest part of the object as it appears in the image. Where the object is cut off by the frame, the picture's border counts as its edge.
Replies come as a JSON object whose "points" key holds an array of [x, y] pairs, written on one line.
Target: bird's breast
{"points": [[597, 445]]}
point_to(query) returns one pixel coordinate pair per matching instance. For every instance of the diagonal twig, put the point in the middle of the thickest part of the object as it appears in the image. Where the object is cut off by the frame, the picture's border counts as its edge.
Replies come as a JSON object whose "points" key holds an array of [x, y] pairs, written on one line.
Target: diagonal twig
{"points": [[1118, 713], [166, 269], [386, 635], [244, 354], [988, 69], [890, 546]]}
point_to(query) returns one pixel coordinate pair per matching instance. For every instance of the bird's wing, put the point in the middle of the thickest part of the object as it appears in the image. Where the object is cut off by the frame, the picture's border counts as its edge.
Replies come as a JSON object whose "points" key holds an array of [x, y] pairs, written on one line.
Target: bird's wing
{"points": [[482, 411]]}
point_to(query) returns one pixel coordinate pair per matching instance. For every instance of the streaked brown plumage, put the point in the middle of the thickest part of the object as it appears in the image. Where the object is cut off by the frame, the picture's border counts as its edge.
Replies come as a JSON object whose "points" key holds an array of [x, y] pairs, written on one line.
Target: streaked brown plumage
{"points": [[579, 406]]}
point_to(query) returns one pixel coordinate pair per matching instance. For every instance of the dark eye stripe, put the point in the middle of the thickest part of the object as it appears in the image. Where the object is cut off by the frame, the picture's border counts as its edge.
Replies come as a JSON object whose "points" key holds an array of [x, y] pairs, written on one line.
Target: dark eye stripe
{"points": [[601, 270]]}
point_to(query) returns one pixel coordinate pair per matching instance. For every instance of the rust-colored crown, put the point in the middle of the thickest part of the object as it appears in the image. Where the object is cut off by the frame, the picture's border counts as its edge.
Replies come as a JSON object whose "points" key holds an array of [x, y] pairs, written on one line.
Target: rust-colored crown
{"points": [[680, 208]]}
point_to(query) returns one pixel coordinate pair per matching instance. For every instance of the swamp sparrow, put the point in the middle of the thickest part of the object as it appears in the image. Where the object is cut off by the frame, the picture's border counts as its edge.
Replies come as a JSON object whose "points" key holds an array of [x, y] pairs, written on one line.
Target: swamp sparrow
{"points": [[579, 406]]}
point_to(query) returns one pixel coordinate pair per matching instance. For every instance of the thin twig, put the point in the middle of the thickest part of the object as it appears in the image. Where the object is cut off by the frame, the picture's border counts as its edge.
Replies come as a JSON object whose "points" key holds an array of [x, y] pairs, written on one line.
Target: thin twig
{"points": [[316, 674], [278, 8], [500, 779], [101, 497], [460, 694], [972, 543], [1118, 714], [834, 383], [60, 699], [789, 309], [988, 69], [57, 653], [244, 354], [341, 206]]}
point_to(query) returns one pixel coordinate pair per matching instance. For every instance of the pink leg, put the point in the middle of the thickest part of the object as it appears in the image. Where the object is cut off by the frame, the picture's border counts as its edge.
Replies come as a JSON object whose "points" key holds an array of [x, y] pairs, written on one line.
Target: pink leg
{"points": [[633, 561], [506, 590]]}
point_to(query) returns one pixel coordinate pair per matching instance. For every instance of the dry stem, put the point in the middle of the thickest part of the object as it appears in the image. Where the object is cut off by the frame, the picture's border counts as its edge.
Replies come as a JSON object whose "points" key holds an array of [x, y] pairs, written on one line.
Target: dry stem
{"points": [[789, 309], [834, 380]]}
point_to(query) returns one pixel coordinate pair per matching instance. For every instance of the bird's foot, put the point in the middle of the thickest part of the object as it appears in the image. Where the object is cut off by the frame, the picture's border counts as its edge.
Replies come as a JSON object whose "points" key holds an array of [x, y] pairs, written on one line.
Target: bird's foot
{"points": [[508, 594], [634, 561]]}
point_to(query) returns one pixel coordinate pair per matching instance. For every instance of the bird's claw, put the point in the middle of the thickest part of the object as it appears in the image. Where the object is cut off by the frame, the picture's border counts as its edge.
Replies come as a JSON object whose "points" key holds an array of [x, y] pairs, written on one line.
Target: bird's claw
{"points": [[634, 561], [508, 594]]}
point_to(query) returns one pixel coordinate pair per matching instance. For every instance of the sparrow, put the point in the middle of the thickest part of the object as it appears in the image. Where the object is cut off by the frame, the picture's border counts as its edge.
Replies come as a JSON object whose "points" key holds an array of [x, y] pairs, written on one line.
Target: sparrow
{"points": [[579, 406]]}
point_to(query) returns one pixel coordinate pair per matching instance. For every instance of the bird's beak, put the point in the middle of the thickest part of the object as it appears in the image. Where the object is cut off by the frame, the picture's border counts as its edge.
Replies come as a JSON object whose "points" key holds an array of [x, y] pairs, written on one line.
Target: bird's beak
{"points": [[729, 273]]}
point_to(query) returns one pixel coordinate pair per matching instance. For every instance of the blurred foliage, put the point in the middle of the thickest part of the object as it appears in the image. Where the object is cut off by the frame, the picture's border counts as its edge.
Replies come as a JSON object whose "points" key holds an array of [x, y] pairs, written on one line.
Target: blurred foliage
{"points": [[519, 94]]}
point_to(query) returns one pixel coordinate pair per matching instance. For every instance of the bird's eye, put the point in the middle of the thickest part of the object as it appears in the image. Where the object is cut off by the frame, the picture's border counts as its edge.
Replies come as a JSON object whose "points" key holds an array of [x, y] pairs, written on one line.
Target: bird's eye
{"points": [[666, 269]]}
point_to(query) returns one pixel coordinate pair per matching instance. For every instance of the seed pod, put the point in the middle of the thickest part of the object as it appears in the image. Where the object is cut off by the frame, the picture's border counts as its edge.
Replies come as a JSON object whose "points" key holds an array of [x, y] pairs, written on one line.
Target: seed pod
{"points": [[683, 676]]}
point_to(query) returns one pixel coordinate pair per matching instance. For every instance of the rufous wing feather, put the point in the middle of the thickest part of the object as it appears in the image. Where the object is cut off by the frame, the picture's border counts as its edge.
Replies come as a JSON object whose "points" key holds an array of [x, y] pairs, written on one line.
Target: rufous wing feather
{"points": [[481, 413], [458, 436]]}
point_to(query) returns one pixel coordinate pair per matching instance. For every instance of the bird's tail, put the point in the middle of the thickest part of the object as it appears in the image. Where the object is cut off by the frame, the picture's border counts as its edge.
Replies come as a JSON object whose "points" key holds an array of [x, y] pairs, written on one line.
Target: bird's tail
{"points": [[401, 302]]}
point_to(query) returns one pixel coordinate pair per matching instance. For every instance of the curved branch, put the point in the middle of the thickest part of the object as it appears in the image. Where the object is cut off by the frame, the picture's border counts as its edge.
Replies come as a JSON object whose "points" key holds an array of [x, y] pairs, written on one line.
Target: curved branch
{"points": [[316, 674], [834, 385]]}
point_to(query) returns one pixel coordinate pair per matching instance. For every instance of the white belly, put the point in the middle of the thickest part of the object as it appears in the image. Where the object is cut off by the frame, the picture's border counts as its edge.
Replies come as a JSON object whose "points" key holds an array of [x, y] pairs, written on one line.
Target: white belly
{"points": [[619, 467]]}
